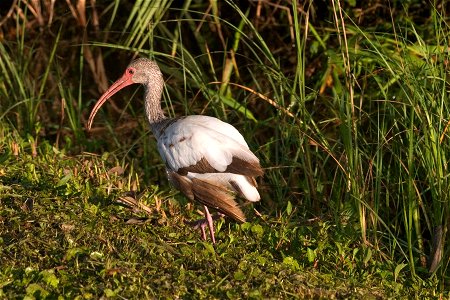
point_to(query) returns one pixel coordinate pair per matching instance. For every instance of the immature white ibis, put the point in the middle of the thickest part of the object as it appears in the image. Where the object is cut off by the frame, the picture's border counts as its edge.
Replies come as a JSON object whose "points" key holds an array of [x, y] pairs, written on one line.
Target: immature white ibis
{"points": [[206, 159]]}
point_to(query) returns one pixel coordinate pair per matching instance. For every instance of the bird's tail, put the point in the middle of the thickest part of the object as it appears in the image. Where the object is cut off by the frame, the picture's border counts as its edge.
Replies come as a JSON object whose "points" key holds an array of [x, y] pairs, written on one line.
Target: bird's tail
{"points": [[213, 194], [218, 197]]}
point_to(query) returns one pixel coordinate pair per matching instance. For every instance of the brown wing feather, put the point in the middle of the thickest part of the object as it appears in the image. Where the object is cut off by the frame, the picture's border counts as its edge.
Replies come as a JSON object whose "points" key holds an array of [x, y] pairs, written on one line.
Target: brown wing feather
{"points": [[209, 193], [243, 167], [181, 183], [218, 197], [237, 166], [201, 167]]}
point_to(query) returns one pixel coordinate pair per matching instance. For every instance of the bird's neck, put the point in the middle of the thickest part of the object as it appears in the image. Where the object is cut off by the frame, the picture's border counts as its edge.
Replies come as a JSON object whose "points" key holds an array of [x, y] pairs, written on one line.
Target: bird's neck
{"points": [[155, 114]]}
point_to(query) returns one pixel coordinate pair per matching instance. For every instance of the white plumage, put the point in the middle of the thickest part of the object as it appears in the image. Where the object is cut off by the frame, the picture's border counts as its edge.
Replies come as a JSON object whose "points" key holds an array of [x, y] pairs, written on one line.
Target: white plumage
{"points": [[185, 142], [249, 191], [207, 159]]}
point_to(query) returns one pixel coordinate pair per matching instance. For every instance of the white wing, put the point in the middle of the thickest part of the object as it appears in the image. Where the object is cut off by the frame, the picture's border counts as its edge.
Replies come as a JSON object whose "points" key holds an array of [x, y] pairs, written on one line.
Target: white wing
{"points": [[205, 142]]}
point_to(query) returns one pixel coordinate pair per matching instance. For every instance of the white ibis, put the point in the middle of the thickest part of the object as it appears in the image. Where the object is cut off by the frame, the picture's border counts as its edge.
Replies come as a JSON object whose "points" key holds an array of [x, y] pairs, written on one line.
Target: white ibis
{"points": [[206, 159]]}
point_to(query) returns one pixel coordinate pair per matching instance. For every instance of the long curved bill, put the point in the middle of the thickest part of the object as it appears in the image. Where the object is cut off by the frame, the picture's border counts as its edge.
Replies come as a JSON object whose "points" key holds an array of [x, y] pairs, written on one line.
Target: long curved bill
{"points": [[122, 82]]}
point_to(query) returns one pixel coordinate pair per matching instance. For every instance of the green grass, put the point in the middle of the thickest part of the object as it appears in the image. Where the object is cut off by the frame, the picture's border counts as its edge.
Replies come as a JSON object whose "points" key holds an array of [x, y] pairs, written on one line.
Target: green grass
{"points": [[64, 233], [348, 115]]}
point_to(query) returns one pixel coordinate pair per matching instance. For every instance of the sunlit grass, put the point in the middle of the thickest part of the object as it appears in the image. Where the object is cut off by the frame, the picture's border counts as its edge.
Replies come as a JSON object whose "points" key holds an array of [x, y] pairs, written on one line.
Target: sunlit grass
{"points": [[65, 233], [349, 121]]}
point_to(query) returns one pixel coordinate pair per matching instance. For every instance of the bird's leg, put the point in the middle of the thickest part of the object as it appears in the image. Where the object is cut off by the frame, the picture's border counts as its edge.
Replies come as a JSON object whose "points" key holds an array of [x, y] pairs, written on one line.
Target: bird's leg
{"points": [[203, 222], [209, 219], [198, 224], [202, 228]]}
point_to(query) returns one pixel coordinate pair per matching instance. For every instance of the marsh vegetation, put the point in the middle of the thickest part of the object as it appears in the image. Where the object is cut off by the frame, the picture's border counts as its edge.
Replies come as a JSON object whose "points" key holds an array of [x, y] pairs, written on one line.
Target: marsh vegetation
{"points": [[345, 104]]}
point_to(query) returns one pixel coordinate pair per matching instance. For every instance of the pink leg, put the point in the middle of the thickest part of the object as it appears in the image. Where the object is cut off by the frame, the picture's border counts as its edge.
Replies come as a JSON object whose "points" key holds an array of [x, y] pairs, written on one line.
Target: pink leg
{"points": [[202, 228], [209, 219]]}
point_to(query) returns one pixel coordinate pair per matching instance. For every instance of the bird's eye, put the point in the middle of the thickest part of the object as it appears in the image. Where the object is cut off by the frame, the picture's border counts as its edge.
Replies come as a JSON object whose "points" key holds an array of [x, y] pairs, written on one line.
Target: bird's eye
{"points": [[131, 71]]}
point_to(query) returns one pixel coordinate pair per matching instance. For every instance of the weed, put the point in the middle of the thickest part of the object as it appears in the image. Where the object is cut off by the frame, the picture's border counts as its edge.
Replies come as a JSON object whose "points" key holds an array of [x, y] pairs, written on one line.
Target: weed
{"points": [[348, 114]]}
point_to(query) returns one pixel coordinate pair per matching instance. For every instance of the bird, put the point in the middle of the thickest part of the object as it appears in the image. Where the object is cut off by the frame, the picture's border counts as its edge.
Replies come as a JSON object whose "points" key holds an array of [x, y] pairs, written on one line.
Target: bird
{"points": [[208, 160]]}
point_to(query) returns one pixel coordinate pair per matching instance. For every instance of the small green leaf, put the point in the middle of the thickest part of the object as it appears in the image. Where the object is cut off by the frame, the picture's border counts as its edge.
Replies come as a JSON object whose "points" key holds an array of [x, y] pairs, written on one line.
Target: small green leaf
{"points": [[105, 155], [289, 208], [255, 294], [5, 156], [339, 247], [209, 248], [239, 275], [96, 255], [398, 268], [257, 230], [109, 293], [311, 254], [246, 226], [37, 291], [50, 278], [314, 47], [64, 180], [368, 256], [72, 252], [261, 260], [291, 263], [232, 294]]}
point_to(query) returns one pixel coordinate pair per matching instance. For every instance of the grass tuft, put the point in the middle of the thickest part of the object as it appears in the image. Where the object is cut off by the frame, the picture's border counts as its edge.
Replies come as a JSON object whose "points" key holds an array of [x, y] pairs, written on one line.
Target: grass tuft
{"points": [[345, 105]]}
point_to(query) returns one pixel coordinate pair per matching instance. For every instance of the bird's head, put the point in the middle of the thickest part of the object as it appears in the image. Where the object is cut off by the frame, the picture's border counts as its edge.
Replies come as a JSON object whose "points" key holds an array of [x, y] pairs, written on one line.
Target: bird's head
{"points": [[141, 70]]}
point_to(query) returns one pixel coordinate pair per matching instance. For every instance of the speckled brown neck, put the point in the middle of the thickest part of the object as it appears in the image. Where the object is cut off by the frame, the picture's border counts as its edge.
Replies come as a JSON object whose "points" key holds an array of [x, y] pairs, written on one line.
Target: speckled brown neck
{"points": [[153, 94]]}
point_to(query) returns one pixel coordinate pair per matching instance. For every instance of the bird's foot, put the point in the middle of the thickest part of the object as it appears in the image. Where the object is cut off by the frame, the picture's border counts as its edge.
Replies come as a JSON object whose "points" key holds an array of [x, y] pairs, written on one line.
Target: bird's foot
{"points": [[207, 221]]}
